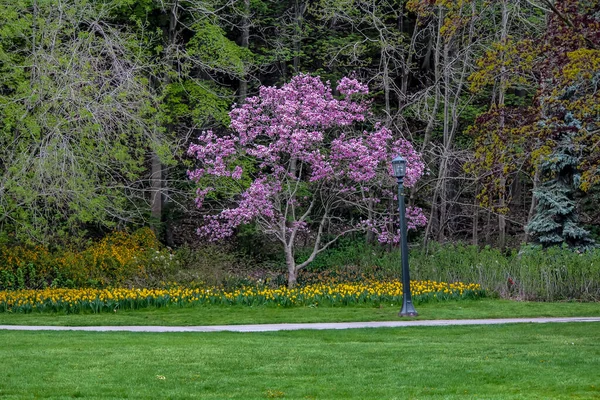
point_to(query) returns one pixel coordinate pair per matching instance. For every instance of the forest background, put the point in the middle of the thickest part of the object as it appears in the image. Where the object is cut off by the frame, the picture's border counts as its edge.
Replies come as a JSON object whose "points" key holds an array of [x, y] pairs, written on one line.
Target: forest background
{"points": [[100, 100]]}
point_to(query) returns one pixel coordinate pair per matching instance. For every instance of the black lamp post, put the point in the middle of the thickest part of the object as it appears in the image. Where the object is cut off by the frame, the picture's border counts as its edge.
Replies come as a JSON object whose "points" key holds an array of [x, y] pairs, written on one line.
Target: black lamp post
{"points": [[408, 310]]}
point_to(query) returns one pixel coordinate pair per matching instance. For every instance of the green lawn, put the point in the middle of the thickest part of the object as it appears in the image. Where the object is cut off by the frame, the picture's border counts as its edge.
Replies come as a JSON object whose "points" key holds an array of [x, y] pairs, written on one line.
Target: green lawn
{"points": [[216, 315], [524, 361]]}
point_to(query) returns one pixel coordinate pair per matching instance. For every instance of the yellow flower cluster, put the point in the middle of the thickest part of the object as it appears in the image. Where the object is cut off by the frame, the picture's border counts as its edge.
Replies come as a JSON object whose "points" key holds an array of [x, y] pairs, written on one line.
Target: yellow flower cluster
{"points": [[18, 254], [121, 247], [98, 300], [117, 258]]}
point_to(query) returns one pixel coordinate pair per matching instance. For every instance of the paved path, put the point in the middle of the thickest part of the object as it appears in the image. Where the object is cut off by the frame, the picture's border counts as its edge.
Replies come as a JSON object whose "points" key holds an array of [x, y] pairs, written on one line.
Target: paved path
{"points": [[293, 327]]}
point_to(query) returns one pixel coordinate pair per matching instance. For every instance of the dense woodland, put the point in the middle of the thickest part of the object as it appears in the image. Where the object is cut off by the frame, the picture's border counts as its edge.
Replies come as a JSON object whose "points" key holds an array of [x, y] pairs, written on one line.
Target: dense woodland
{"points": [[101, 99]]}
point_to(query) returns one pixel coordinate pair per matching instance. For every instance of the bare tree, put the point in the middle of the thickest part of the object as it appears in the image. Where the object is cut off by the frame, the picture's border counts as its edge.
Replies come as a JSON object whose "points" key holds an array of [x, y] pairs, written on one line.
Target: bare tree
{"points": [[72, 154]]}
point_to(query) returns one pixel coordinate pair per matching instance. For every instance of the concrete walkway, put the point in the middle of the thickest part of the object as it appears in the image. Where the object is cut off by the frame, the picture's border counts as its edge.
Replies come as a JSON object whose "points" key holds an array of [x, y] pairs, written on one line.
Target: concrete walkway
{"points": [[293, 327]]}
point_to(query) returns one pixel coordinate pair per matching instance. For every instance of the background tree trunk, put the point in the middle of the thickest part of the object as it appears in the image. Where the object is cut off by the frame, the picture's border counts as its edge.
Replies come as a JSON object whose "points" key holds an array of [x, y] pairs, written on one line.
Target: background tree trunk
{"points": [[244, 43], [501, 104]]}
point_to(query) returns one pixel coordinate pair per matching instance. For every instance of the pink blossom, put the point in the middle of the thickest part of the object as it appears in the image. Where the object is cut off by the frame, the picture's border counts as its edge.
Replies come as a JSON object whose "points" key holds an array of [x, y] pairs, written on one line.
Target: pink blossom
{"points": [[350, 86], [305, 149]]}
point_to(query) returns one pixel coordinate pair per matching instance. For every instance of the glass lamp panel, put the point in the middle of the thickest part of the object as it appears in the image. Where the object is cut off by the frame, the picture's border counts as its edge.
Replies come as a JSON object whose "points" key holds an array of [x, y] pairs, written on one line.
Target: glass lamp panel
{"points": [[399, 166]]}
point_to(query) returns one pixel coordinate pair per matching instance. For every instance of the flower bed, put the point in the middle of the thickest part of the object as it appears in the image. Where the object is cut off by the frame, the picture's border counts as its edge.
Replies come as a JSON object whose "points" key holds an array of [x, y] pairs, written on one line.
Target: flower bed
{"points": [[328, 294]]}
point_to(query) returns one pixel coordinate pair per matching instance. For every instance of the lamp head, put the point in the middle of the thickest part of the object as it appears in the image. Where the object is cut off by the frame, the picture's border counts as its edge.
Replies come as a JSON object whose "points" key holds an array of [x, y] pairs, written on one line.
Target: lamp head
{"points": [[399, 166]]}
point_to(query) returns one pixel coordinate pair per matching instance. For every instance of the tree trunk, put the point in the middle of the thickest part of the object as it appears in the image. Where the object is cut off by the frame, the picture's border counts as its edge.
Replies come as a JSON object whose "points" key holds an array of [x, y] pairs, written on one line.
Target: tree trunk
{"points": [[475, 236], [441, 194], [244, 42], [502, 221], [370, 237], [386, 86], [433, 118], [291, 266], [533, 204], [297, 37], [488, 227], [501, 96], [167, 210], [437, 79], [447, 141], [156, 185], [157, 181], [406, 71]]}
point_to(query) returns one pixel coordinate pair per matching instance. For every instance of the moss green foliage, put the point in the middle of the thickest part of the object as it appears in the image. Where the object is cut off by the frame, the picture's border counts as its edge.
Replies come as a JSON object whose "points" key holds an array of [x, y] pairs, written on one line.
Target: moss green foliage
{"points": [[74, 120], [197, 102], [87, 91], [210, 45], [558, 361]]}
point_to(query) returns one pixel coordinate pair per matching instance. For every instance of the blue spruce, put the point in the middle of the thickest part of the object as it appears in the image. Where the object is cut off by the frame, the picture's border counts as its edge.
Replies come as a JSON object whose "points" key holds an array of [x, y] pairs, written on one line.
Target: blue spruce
{"points": [[556, 221]]}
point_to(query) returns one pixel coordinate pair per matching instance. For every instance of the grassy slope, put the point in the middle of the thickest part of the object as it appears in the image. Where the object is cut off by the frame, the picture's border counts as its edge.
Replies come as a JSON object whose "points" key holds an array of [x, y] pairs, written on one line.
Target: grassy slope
{"points": [[558, 361], [216, 315]]}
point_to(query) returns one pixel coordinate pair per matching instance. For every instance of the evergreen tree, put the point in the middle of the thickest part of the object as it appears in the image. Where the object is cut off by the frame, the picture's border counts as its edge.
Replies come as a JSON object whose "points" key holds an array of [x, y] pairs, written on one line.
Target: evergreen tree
{"points": [[569, 118], [556, 221]]}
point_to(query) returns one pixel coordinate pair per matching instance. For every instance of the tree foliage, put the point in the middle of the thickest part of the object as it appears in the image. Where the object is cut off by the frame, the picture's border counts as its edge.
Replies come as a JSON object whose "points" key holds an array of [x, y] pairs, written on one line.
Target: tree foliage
{"points": [[553, 138], [100, 99], [76, 115], [314, 171]]}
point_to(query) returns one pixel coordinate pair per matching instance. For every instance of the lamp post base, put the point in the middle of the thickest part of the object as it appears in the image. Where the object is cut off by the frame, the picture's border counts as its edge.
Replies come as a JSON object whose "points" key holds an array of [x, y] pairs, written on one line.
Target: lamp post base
{"points": [[408, 310], [408, 314]]}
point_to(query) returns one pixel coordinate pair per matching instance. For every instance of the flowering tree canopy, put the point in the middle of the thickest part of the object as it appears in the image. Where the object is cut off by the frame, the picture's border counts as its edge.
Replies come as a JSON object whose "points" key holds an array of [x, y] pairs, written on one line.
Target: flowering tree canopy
{"points": [[313, 173]]}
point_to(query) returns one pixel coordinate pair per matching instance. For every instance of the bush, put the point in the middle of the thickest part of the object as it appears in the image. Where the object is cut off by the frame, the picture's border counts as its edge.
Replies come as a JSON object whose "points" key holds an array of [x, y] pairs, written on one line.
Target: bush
{"points": [[209, 265], [350, 252], [119, 258], [453, 262], [25, 267], [558, 274], [137, 259], [123, 259], [530, 274]]}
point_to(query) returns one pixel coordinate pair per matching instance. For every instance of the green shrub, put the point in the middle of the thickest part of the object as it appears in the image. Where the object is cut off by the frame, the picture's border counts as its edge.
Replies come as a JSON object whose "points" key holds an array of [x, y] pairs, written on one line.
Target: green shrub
{"points": [[455, 262], [210, 265], [532, 273], [138, 259], [558, 274], [119, 258]]}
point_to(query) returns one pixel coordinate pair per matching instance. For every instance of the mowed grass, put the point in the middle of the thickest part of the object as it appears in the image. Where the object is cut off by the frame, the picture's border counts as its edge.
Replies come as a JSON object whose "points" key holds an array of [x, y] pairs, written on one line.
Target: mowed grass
{"points": [[518, 361], [218, 315]]}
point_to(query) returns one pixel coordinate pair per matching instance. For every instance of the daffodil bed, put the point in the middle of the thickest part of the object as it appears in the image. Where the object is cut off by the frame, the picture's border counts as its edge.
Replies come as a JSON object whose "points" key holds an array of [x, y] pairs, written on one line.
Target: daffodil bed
{"points": [[327, 294]]}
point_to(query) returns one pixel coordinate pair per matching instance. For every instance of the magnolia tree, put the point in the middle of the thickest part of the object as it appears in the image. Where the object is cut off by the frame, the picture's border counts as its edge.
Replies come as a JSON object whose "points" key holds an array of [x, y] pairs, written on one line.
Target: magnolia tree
{"points": [[312, 174]]}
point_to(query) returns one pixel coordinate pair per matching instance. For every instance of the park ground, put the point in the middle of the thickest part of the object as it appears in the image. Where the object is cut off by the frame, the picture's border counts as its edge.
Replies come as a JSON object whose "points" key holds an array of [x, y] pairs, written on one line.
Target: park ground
{"points": [[228, 315], [516, 361]]}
